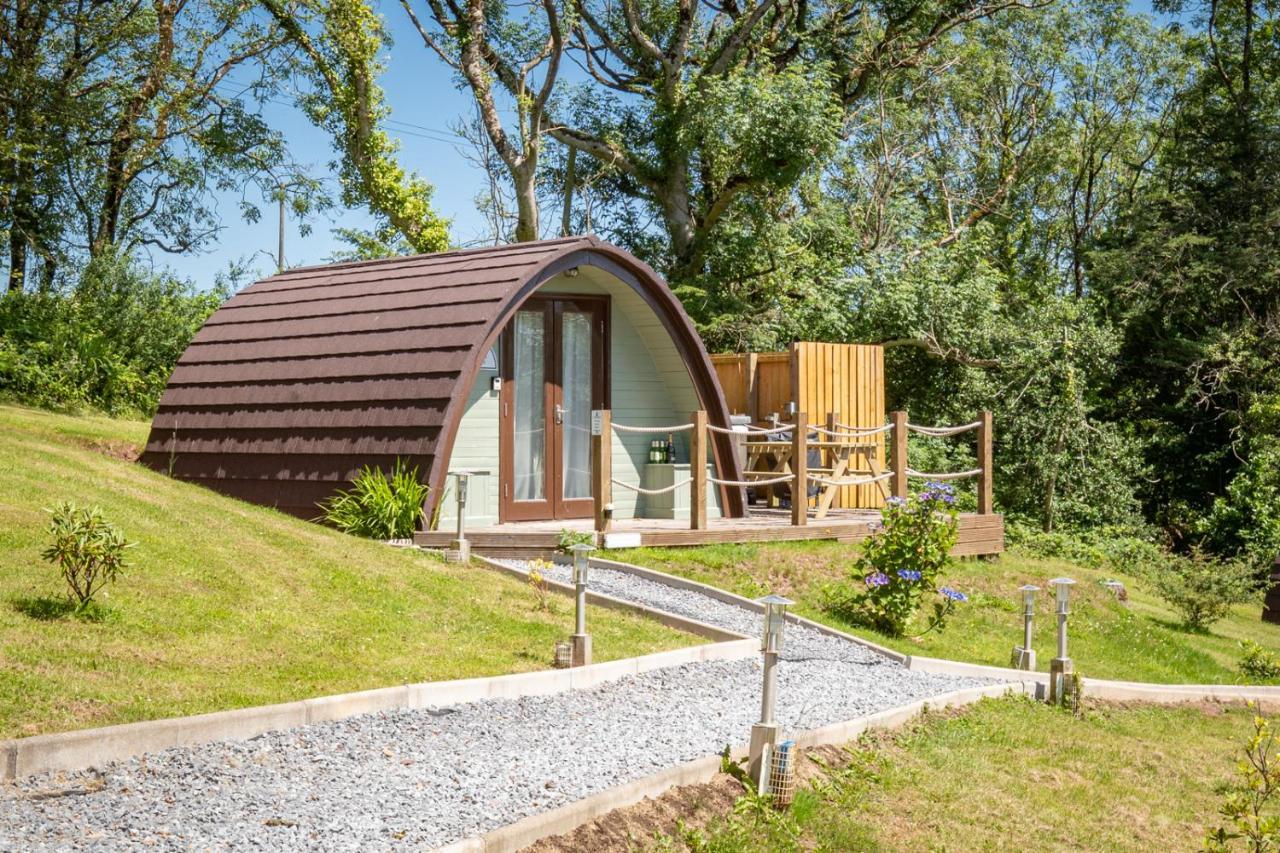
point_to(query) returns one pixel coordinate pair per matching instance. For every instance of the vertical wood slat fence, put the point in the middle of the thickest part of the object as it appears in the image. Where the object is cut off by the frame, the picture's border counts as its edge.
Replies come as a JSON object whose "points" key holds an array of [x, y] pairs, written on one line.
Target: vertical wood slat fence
{"points": [[839, 385], [899, 427]]}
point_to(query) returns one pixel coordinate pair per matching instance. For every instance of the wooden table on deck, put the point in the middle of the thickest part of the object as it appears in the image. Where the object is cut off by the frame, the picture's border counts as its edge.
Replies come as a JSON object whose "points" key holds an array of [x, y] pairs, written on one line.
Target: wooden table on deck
{"points": [[769, 458]]}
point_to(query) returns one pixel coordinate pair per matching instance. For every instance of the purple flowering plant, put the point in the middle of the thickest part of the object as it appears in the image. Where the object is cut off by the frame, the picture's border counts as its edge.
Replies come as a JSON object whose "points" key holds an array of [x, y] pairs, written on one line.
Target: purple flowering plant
{"points": [[898, 569]]}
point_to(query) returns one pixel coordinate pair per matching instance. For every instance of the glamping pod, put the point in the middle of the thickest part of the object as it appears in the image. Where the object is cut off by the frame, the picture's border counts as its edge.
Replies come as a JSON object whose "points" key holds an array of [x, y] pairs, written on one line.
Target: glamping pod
{"points": [[478, 359]]}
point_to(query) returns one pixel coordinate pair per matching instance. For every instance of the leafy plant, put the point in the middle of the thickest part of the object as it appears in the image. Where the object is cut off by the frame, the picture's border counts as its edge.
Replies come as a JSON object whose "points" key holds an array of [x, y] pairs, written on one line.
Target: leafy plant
{"points": [[568, 538], [538, 583], [1203, 588], [1258, 663], [1246, 806], [379, 506], [899, 566], [87, 549]]}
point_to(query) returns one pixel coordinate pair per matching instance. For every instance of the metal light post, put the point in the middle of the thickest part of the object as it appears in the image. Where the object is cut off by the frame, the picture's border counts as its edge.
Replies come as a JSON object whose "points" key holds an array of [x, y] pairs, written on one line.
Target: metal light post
{"points": [[459, 549], [1024, 656], [581, 639], [1060, 667], [764, 734]]}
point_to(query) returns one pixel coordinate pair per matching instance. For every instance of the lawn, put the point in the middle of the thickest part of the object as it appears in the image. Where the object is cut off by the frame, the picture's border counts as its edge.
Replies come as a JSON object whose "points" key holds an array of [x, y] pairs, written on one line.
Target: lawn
{"points": [[229, 605], [1004, 774], [1140, 640]]}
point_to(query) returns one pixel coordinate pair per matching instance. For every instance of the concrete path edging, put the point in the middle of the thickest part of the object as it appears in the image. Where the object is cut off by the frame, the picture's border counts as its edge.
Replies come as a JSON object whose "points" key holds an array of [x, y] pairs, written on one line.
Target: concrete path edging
{"points": [[569, 817], [741, 601], [85, 748]]}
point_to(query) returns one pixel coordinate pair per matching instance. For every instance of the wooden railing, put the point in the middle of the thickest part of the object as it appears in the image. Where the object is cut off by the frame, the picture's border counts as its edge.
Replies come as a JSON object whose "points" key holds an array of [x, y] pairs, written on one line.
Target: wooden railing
{"points": [[795, 466]]}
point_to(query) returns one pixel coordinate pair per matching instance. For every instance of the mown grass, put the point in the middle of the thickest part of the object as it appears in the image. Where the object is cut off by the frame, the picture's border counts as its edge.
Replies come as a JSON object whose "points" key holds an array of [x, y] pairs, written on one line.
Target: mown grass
{"points": [[1140, 640], [1007, 774], [228, 605]]}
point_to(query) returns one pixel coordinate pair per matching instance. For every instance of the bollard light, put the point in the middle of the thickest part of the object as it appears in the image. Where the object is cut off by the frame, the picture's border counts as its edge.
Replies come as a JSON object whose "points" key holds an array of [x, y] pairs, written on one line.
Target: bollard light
{"points": [[581, 639], [581, 561], [775, 613], [460, 549], [1024, 656], [1060, 668], [764, 734]]}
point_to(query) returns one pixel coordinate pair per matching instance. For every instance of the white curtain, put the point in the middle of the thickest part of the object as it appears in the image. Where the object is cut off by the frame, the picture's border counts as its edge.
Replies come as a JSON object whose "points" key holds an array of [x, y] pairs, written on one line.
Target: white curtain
{"points": [[576, 361], [530, 407]]}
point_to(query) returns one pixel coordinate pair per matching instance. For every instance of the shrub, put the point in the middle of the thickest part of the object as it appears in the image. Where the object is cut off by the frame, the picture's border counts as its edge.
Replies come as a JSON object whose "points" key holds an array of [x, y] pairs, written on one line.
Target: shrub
{"points": [[87, 549], [108, 342], [379, 506], [1203, 588], [568, 538], [1258, 664], [538, 583], [1248, 802], [899, 567]]}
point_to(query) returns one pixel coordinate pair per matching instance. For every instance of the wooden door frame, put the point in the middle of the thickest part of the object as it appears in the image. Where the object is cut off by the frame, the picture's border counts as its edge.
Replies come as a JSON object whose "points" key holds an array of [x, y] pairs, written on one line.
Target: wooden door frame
{"points": [[554, 507]]}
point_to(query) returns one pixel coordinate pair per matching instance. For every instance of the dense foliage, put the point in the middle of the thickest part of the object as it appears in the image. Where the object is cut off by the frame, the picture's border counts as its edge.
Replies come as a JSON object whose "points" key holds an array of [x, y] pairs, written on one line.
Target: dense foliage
{"points": [[897, 570], [1203, 589], [107, 342]]}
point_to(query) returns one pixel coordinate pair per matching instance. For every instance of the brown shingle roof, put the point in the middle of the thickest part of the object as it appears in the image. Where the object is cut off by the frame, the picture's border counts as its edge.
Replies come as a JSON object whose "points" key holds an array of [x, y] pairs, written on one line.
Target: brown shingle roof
{"points": [[304, 377]]}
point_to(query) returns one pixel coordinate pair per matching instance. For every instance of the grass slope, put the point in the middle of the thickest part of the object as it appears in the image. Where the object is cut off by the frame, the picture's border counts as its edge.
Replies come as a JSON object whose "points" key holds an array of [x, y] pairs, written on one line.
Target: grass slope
{"points": [[1007, 774], [229, 605], [1140, 641]]}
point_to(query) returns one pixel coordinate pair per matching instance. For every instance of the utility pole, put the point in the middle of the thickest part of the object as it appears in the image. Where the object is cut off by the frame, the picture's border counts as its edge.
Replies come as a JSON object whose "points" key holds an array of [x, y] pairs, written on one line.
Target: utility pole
{"points": [[280, 188]]}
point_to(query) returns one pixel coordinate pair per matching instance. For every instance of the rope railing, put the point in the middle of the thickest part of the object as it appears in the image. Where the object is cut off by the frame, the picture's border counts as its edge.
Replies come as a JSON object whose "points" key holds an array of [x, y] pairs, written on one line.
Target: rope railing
{"points": [[747, 429], [750, 483], [851, 481], [943, 431], [664, 490], [673, 428], [956, 475], [846, 431]]}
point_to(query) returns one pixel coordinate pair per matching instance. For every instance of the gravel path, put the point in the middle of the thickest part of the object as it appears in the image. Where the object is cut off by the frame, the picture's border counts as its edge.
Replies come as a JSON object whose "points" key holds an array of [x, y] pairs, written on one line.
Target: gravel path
{"points": [[427, 777]]}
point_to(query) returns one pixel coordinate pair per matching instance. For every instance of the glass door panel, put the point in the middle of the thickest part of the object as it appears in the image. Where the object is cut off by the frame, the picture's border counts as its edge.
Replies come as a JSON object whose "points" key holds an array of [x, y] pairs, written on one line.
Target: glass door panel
{"points": [[529, 427], [576, 384]]}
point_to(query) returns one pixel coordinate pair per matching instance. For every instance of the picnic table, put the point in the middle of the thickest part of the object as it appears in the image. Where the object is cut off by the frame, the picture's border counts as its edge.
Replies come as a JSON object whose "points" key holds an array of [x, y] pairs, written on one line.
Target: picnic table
{"points": [[769, 457]]}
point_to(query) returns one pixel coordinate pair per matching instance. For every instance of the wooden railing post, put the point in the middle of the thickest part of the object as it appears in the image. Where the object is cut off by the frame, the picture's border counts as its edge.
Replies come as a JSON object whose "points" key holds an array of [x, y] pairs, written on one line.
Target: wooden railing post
{"points": [[899, 456], [602, 471], [698, 472], [986, 496], [800, 467], [830, 457]]}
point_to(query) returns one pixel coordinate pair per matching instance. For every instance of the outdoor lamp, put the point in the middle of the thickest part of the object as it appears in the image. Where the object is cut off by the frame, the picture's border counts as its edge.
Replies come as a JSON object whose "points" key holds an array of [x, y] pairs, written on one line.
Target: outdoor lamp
{"points": [[775, 612], [764, 734], [1024, 657], [581, 639], [581, 561], [1061, 667]]}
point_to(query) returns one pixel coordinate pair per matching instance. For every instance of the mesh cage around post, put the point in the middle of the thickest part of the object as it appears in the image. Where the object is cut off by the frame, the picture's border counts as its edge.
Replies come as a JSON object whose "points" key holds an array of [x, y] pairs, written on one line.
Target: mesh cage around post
{"points": [[782, 774]]}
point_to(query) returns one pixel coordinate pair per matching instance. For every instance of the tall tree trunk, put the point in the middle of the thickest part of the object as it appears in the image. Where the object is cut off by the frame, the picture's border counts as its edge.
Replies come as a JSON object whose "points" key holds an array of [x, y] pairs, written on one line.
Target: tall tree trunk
{"points": [[525, 176]]}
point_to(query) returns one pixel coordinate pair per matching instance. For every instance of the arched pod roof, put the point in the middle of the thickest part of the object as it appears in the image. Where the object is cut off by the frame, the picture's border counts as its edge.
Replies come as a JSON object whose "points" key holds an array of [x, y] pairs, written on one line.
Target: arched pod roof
{"points": [[304, 377]]}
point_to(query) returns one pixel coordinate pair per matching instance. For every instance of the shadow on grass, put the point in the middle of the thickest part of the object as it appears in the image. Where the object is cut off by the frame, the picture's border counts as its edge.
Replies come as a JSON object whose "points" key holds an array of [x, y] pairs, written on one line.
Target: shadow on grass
{"points": [[1180, 627], [46, 608]]}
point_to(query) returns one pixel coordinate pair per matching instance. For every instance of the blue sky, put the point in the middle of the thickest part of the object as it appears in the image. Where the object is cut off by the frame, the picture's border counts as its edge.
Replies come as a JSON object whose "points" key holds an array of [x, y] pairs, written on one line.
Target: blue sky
{"points": [[424, 103]]}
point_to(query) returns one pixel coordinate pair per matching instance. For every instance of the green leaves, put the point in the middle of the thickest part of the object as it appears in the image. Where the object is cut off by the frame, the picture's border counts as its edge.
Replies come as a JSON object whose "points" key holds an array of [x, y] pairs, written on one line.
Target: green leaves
{"points": [[87, 549], [378, 505]]}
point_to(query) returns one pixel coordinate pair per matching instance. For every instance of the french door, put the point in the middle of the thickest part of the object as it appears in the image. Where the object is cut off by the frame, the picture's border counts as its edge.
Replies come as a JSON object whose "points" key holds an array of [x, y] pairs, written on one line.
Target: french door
{"points": [[554, 373]]}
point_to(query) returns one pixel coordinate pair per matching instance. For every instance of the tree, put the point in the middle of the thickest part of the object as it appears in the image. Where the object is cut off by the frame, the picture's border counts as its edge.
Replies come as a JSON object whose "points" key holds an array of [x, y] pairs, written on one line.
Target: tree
{"points": [[340, 41]]}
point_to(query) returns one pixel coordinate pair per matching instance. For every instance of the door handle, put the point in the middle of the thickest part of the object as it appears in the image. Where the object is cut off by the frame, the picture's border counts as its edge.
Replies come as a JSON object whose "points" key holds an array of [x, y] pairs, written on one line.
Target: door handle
{"points": [[559, 414]]}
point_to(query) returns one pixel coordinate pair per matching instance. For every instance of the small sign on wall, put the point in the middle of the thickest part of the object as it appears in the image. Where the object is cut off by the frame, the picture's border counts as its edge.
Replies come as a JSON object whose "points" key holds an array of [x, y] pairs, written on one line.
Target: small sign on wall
{"points": [[597, 421]]}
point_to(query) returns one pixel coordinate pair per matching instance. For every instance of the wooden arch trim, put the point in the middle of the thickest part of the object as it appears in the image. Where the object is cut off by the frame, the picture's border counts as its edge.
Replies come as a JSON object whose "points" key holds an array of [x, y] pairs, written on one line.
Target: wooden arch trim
{"points": [[650, 286]]}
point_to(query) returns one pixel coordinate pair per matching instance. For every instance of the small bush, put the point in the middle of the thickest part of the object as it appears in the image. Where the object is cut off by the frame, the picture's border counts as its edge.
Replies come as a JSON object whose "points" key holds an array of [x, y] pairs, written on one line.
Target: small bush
{"points": [[1203, 588], [900, 565], [1250, 814], [538, 584], [568, 538], [379, 506], [1258, 664], [87, 549]]}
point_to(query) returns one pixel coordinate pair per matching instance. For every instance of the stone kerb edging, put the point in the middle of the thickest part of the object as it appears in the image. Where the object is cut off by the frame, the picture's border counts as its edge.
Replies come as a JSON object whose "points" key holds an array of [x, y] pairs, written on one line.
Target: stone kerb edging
{"points": [[79, 750], [572, 815], [741, 601], [1097, 688], [671, 620]]}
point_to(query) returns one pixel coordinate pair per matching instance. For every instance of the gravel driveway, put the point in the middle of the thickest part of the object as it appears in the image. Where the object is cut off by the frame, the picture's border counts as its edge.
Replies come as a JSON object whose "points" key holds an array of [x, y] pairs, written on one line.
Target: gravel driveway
{"points": [[423, 778]]}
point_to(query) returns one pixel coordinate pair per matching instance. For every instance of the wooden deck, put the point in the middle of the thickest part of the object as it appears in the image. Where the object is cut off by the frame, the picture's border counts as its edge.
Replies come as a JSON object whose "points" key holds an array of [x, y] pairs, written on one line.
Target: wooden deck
{"points": [[978, 535]]}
